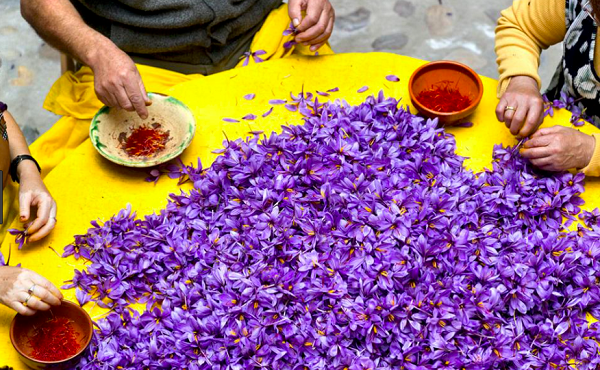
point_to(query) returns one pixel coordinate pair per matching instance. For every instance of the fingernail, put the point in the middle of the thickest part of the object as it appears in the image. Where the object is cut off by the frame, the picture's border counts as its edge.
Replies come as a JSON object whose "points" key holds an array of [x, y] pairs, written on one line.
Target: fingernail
{"points": [[295, 22], [313, 48]]}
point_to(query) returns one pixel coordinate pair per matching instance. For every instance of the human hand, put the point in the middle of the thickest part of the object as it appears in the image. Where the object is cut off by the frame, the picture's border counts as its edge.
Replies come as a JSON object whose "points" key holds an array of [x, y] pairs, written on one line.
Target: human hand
{"points": [[559, 148], [524, 96], [117, 81], [26, 291], [33, 193], [317, 25]]}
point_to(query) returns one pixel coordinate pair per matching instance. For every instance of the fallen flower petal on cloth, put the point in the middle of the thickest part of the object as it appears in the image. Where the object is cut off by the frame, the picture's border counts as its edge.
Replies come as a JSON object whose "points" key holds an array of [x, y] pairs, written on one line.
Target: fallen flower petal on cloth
{"points": [[268, 112], [277, 101]]}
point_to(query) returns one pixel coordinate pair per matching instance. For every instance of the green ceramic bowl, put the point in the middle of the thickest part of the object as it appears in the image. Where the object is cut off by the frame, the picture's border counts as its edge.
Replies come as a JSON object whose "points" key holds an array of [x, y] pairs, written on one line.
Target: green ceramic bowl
{"points": [[111, 127]]}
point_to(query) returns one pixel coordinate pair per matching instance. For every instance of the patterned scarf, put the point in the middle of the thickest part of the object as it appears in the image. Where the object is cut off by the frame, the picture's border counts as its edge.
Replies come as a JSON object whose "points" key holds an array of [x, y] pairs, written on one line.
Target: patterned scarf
{"points": [[3, 130]]}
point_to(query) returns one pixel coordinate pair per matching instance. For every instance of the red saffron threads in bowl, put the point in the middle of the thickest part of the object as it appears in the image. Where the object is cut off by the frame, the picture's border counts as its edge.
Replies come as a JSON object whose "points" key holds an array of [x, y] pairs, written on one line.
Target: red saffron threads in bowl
{"points": [[146, 141], [54, 340], [442, 97]]}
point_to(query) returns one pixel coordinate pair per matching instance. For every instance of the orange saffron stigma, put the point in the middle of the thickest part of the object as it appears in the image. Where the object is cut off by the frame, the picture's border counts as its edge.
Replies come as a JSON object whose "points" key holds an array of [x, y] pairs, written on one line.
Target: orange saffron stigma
{"points": [[54, 340], [146, 141], [442, 97]]}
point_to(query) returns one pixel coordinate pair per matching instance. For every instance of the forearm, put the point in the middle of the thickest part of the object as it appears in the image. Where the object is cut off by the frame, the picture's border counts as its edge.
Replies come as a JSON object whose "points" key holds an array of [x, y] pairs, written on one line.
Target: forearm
{"points": [[524, 29], [18, 146], [59, 24]]}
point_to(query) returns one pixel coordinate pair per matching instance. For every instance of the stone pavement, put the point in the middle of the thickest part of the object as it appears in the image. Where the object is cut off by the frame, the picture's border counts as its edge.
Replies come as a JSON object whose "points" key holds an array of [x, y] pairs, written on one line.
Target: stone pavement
{"points": [[461, 30]]}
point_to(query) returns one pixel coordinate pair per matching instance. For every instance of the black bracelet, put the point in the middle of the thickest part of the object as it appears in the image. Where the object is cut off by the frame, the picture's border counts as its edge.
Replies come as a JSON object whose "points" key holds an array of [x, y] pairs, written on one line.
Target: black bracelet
{"points": [[15, 163]]}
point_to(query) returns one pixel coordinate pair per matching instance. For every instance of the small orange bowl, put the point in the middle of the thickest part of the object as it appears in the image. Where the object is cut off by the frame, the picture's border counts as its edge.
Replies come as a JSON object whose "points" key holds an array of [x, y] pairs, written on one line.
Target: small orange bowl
{"points": [[461, 77], [23, 327]]}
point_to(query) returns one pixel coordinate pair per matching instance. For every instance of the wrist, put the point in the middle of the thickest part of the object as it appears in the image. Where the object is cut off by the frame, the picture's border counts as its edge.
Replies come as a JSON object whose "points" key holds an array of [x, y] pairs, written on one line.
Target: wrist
{"points": [[27, 170], [524, 80], [96, 51], [590, 148], [17, 167]]}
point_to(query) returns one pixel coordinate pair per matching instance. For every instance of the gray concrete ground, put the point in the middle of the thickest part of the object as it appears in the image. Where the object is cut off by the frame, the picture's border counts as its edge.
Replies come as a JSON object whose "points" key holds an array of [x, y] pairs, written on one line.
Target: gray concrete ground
{"points": [[461, 30]]}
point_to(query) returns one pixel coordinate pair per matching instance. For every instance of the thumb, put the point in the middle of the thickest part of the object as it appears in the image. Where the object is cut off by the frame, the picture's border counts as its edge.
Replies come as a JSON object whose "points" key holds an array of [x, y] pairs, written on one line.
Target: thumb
{"points": [[24, 206], [295, 11]]}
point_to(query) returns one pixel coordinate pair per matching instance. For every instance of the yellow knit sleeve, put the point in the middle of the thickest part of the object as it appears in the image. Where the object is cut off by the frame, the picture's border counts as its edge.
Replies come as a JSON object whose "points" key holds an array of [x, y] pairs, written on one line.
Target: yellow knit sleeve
{"points": [[593, 168], [523, 30]]}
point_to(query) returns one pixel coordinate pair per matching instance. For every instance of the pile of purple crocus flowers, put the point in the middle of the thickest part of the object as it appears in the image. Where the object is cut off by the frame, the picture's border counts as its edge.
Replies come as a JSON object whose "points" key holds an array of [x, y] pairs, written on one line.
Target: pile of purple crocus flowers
{"points": [[356, 240]]}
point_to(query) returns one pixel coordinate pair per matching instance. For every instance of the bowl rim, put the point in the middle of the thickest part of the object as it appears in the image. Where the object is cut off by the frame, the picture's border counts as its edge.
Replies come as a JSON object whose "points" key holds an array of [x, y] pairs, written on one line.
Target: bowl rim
{"points": [[83, 348], [465, 68], [93, 135]]}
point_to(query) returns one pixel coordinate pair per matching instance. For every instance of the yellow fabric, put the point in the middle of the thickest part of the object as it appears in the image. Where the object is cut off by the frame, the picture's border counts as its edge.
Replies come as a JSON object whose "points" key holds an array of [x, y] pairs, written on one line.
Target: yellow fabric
{"points": [[524, 29], [87, 187], [72, 96]]}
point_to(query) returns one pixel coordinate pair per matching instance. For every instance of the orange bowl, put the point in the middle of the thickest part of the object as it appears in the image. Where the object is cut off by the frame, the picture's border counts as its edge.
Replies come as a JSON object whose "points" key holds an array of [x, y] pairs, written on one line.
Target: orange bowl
{"points": [[466, 81], [23, 327]]}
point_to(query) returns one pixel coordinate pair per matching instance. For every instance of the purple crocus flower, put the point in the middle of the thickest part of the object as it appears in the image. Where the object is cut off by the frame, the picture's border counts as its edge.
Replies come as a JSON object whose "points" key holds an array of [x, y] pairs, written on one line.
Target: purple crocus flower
{"points": [[355, 240], [20, 235], [254, 55]]}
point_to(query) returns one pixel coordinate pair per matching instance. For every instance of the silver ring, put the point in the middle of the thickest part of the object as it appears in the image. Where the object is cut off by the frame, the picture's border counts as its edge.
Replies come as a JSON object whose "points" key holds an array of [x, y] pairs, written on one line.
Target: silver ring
{"points": [[27, 300], [30, 290], [510, 108]]}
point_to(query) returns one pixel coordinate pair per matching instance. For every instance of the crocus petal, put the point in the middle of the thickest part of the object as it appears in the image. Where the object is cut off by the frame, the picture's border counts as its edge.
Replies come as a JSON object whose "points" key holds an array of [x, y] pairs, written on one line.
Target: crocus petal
{"points": [[268, 112]]}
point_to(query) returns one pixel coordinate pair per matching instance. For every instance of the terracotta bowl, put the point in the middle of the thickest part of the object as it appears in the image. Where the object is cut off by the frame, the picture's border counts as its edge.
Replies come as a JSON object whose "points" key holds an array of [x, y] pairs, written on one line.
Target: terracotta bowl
{"points": [[462, 77], [22, 328], [111, 127]]}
